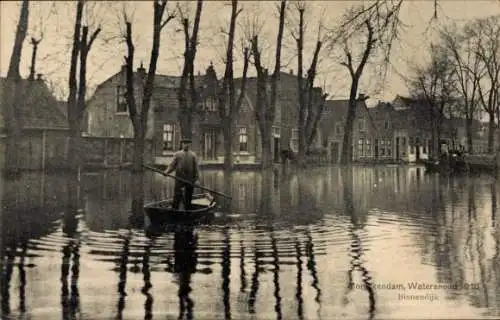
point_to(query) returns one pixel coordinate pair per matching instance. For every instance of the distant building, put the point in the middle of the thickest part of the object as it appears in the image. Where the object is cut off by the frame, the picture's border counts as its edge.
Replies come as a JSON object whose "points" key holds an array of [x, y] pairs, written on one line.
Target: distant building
{"points": [[44, 126], [332, 128]]}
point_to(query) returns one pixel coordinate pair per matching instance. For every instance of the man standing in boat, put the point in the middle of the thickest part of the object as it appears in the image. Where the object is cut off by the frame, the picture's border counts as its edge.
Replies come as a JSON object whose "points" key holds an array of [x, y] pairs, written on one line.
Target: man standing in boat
{"points": [[185, 165]]}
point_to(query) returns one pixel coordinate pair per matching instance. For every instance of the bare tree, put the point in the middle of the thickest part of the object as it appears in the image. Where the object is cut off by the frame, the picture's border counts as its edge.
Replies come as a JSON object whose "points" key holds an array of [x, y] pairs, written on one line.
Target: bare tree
{"points": [[139, 114], [468, 70], [267, 88], [434, 84], [12, 96], [138, 117], [82, 43], [187, 106], [229, 102], [379, 23], [487, 32], [309, 105]]}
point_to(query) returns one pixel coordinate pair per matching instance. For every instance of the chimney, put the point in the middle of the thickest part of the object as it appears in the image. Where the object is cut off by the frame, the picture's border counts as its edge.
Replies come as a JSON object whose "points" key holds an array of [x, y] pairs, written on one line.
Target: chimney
{"points": [[39, 77], [361, 97], [141, 71], [291, 72], [124, 69]]}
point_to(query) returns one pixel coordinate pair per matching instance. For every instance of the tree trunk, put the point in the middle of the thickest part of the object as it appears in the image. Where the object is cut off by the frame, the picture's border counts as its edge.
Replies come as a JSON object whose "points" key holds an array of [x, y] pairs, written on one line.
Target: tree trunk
{"points": [[266, 157], [227, 131], [468, 131], [139, 147], [491, 131], [435, 139], [13, 127], [13, 122], [346, 156], [74, 143]]}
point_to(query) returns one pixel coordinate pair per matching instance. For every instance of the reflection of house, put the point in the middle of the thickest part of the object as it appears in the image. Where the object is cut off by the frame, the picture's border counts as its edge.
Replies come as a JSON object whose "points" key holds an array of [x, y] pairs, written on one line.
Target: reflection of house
{"points": [[332, 128], [44, 126]]}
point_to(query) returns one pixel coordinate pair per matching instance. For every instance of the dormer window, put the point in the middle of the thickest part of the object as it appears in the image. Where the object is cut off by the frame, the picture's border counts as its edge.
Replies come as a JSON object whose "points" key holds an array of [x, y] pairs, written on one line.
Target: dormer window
{"points": [[387, 124], [121, 99]]}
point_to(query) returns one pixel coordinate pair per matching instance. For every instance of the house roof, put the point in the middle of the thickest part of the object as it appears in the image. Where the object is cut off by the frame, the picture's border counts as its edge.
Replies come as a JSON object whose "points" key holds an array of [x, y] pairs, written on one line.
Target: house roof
{"points": [[38, 107]]}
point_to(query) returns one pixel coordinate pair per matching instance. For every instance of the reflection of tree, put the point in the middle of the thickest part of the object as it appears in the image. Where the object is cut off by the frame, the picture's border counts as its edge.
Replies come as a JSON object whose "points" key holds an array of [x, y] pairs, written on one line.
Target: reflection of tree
{"points": [[311, 266], [298, 293], [22, 278], [122, 275], [276, 275], [148, 304], [227, 204], [356, 242], [70, 299], [6, 278], [243, 274], [254, 287], [185, 243], [226, 272]]}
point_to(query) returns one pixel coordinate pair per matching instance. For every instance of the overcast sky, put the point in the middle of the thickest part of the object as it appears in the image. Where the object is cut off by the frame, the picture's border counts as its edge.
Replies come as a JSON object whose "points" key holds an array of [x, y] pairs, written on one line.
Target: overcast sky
{"points": [[56, 20]]}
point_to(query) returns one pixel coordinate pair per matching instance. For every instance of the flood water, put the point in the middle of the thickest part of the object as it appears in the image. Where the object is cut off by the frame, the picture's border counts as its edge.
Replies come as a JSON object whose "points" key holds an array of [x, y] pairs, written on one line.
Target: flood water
{"points": [[326, 243]]}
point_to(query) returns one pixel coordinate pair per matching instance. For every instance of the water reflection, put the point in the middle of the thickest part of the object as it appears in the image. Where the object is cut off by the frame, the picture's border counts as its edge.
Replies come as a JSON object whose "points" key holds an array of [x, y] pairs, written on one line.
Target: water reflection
{"points": [[148, 304], [185, 242], [356, 231], [291, 243]]}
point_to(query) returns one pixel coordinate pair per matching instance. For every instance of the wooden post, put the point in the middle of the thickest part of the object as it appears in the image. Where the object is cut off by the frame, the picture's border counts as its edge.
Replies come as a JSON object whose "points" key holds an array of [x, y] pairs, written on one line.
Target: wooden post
{"points": [[44, 147]]}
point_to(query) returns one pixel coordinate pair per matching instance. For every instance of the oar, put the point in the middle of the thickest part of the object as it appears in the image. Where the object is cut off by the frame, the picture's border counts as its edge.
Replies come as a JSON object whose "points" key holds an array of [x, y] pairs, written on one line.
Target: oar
{"points": [[185, 181]]}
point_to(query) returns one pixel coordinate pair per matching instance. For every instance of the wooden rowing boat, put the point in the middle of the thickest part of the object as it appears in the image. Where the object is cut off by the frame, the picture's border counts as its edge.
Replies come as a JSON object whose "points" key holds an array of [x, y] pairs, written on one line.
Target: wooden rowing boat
{"points": [[161, 212]]}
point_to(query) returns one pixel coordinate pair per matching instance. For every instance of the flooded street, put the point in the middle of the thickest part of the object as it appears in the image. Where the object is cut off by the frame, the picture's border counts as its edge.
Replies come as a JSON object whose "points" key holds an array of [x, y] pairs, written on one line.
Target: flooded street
{"points": [[352, 243]]}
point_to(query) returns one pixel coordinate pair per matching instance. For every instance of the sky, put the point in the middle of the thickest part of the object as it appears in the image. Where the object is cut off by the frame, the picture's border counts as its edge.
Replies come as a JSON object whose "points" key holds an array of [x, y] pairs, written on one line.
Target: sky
{"points": [[54, 20]]}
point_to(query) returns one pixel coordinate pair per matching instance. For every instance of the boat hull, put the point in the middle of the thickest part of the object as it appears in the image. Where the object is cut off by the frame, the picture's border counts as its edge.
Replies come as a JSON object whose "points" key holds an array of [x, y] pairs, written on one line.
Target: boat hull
{"points": [[161, 212]]}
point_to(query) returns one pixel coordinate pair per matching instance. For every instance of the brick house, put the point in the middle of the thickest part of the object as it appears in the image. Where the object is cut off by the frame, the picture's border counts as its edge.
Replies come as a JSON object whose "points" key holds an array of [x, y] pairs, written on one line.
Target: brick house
{"points": [[44, 126], [284, 132], [332, 127]]}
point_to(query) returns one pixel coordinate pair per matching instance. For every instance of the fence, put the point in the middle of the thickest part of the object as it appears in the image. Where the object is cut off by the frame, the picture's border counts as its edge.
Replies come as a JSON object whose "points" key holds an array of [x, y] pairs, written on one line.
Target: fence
{"points": [[45, 149], [110, 152]]}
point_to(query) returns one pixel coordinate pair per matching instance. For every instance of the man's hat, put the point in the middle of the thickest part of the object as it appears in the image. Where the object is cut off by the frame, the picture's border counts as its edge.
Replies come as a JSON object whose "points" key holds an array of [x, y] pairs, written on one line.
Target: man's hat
{"points": [[186, 140]]}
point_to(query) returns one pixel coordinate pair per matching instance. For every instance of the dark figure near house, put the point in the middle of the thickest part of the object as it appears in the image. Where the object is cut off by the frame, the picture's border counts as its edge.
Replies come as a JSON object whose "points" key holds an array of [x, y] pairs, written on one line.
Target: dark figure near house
{"points": [[185, 165]]}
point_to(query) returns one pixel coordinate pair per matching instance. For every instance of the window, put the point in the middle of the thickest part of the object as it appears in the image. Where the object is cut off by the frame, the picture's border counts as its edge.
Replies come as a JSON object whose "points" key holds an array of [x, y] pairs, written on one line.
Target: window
{"points": [[243, 139], [388, 144], [121, 99], [295, 140], [386, 124], [361, 124], [168, 137], [361, 145], [276, 132], [368, 147], [210, 104]]}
